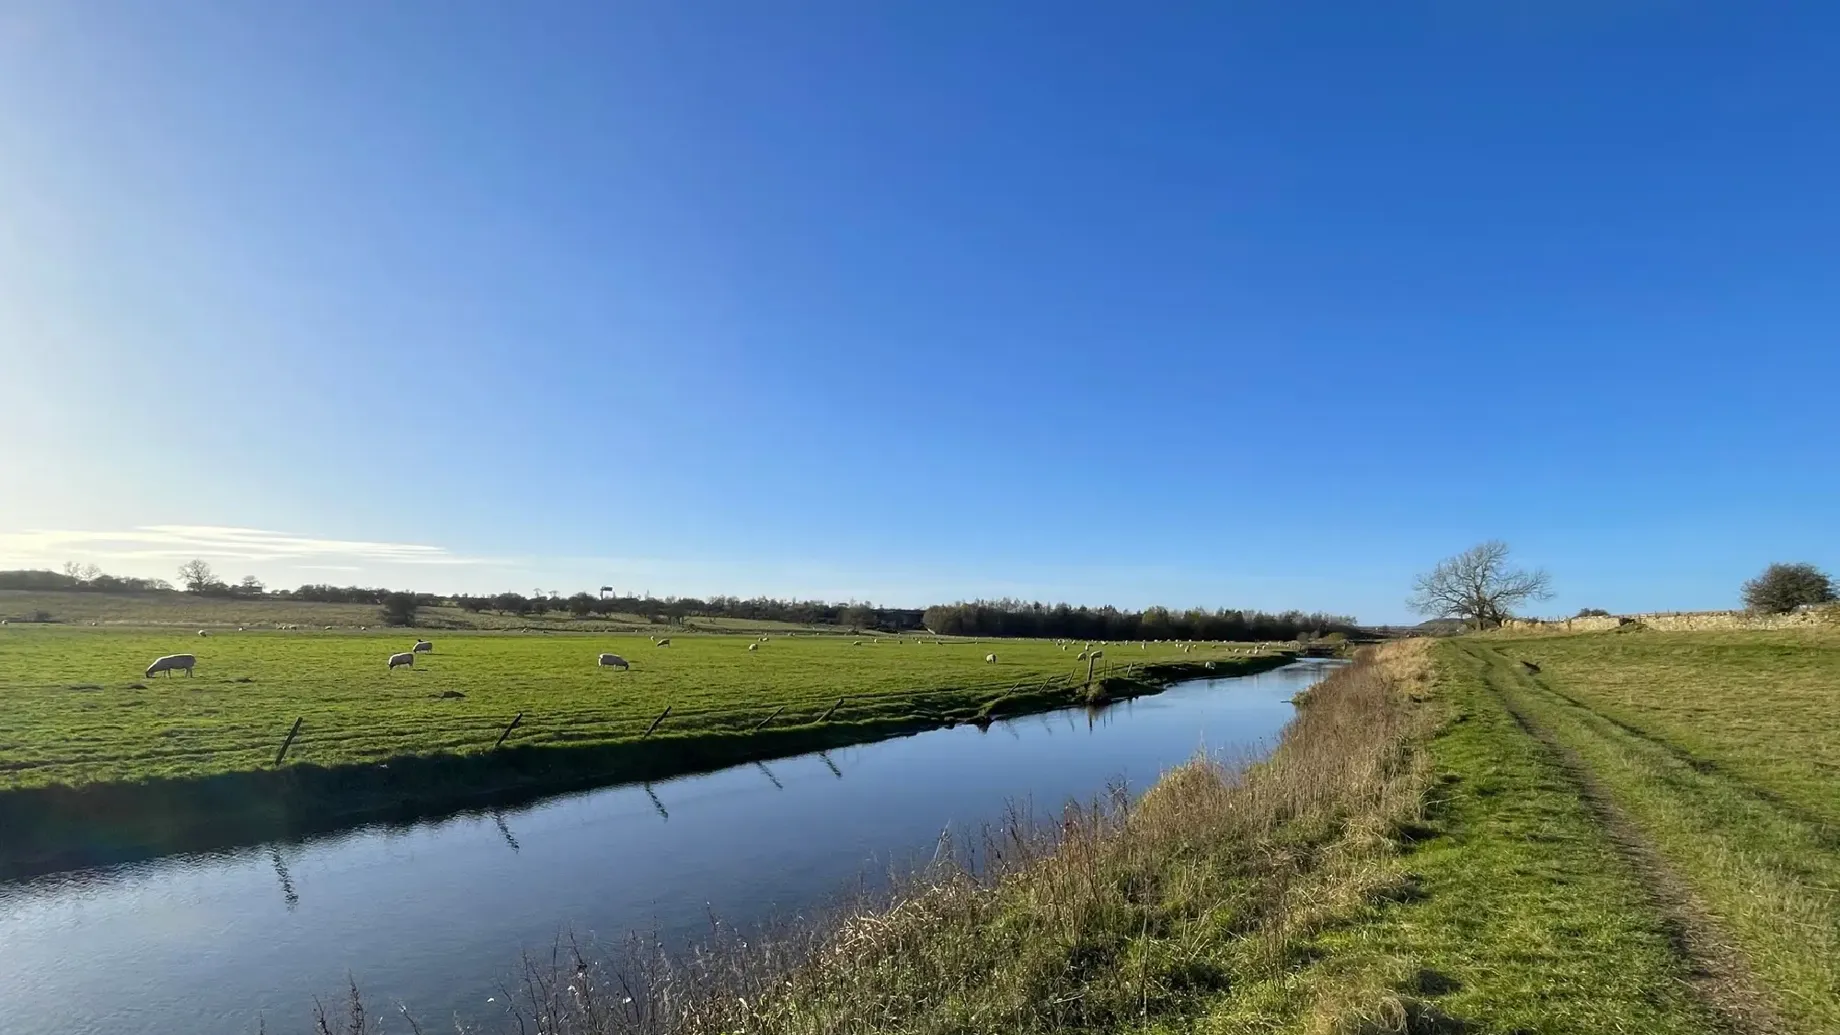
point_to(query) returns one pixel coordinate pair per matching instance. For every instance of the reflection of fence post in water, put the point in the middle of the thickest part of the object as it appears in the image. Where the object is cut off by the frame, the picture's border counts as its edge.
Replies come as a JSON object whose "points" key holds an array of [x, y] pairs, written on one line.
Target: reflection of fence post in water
{"points": [[838, 773], [762, 766], [498, 817], [288, 894], [659, 805]]}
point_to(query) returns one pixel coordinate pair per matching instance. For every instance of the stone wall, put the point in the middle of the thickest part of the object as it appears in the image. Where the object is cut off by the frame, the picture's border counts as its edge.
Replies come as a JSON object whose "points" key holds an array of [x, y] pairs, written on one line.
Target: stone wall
{"points": [[1683, 621]]}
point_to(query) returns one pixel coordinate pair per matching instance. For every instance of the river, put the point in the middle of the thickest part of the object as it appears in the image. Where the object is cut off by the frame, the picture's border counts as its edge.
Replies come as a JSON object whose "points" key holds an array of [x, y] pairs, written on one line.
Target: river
{"points": [[434, 915]]}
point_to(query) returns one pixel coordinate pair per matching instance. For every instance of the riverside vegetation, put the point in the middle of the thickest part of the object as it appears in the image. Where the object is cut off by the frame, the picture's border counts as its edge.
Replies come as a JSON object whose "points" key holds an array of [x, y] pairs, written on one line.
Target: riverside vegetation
{"points": [[1585, 834]]}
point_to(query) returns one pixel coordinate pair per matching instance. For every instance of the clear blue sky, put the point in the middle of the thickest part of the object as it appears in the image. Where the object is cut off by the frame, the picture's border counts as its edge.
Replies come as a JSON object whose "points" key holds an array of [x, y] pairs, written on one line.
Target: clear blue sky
{"points": [[1254, 304]]}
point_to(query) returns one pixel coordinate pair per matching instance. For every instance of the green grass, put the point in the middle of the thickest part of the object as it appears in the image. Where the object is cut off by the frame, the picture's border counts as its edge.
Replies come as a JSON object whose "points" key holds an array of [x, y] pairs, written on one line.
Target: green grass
{"points": [[1716, 747], [1512, 911], [1762, 707], [72, 714]]}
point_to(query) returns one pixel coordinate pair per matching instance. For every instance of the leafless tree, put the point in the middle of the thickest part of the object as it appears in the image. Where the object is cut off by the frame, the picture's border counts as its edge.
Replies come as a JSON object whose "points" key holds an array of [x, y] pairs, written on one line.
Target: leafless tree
{"points": [[1477, 586], [81, 572], [197, 576]]}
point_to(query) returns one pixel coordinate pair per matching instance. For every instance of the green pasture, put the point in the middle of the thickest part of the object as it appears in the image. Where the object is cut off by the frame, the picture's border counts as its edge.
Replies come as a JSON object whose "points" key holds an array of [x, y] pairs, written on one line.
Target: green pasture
{"points": [[75, 707]]}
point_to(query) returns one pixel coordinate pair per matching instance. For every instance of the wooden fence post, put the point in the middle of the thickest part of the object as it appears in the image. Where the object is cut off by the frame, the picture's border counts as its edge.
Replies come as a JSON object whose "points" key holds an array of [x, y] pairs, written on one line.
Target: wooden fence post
{"points": [[655, 722], [289, 742], [768, 719], [514, 725], [833, 708]]}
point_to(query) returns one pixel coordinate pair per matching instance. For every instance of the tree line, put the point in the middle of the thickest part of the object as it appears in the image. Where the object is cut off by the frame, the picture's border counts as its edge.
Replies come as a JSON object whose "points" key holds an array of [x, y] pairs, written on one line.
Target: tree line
{"points": [[78, 577], [676, 609], [994, 618], [1064, 621]]}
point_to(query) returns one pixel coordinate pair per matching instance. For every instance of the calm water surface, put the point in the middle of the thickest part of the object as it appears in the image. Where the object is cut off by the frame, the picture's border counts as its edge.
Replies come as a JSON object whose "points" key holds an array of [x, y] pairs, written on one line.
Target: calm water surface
{"points": [[436, 914]]}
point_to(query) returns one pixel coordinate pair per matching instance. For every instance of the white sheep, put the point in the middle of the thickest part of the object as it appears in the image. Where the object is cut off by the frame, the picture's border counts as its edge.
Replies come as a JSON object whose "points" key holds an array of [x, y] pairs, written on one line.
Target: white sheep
{"points": [[405, 658], [666, 642], [172, 661], [858, 643], [753, 646], [990, 659], [423, 647], [201, 632], [613, 661], [1081, 657], [763, 639]]}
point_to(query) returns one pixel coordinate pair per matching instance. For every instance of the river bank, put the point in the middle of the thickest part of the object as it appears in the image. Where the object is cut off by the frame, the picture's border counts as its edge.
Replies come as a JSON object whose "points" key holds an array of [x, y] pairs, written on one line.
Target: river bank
{"points": [[64, 827]]}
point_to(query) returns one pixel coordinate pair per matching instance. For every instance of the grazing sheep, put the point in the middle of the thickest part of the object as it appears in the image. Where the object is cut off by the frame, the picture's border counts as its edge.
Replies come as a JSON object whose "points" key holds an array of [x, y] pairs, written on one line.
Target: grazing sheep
{"points": [[405, 658], [858, 643], [201, 632], [238, 628], [990, 659], [172, 661], [424, 647], [613, 661], [753, 646], [1081, 657], [763, 639], [666, 642], [328, 628]]}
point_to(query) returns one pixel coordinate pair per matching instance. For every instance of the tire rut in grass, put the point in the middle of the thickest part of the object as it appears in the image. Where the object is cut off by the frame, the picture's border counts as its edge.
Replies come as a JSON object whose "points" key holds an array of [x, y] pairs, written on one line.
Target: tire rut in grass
{"points": [[1718, 972]]}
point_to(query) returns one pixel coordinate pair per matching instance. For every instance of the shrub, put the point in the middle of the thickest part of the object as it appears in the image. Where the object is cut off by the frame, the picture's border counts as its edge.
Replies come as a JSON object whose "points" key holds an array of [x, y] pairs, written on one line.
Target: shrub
{"points": [[1785, 587], [399, 608]]}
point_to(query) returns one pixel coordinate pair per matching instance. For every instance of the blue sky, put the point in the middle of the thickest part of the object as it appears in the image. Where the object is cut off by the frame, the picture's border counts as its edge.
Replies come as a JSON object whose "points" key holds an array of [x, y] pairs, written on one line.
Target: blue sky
{"points": [[1255, 304]]}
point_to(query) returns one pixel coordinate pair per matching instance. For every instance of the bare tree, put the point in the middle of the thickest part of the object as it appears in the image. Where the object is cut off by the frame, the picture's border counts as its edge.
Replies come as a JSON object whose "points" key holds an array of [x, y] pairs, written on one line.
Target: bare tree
{"points": [[1477, 586], [82, 572], [197, 576]]}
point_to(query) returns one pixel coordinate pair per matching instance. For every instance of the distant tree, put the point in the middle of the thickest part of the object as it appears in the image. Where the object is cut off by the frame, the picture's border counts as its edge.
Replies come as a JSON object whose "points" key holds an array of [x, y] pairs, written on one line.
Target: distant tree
{"points": [[399, 608], [1591, 612], [1785, 587], [581, 605], [1477, 586], [250, 587], [510, 603], [84, 573], [198, 577]]}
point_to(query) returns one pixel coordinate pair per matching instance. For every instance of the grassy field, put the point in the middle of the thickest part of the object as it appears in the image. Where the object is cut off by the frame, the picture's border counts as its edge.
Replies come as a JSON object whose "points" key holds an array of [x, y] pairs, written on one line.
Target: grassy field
{"points": [[1586, 835], [78, 709], [1711, 758]]}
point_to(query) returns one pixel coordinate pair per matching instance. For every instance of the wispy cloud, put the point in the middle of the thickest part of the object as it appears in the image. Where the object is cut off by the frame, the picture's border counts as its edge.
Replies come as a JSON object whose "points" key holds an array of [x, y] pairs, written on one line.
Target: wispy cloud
{"points": [[214, 542]]}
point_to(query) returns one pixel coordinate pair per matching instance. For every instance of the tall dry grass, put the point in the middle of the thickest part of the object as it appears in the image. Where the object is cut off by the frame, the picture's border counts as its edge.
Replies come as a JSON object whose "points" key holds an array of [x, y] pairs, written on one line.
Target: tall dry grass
{"points": [[1113, 914]]}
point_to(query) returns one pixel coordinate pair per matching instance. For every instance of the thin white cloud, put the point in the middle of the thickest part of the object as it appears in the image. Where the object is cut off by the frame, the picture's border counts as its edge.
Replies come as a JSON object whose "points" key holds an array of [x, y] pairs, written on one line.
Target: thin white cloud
{"points": [[213, 542]]}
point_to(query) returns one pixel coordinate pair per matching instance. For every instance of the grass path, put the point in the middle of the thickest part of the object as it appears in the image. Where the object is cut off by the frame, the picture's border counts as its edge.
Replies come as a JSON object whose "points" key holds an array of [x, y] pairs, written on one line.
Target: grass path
{"points": [[1749, 883], [1523, 917]]}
